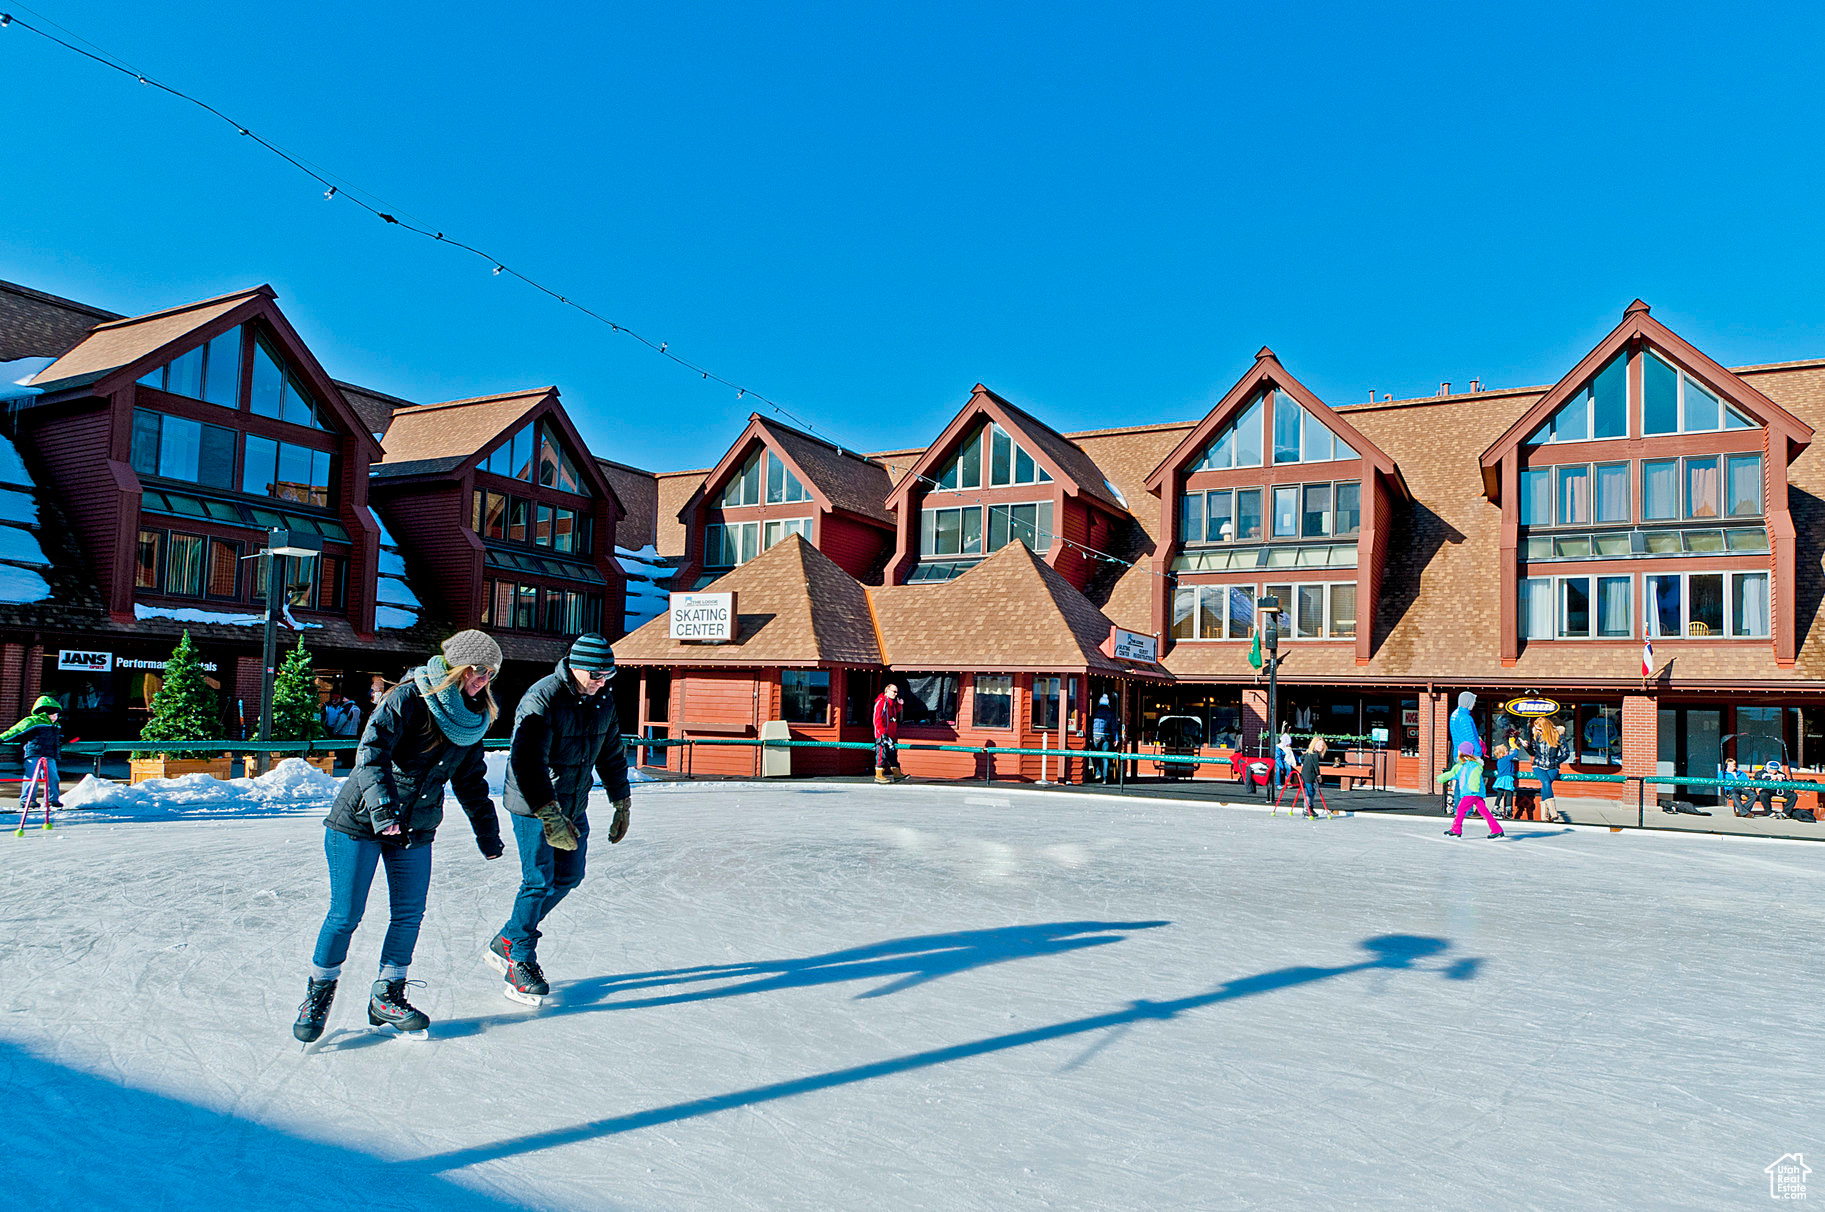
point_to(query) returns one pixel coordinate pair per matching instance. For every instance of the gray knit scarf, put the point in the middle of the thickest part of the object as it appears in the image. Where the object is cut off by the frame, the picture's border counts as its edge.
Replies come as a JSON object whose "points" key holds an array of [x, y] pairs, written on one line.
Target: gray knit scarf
{"points": [[460, 724]]}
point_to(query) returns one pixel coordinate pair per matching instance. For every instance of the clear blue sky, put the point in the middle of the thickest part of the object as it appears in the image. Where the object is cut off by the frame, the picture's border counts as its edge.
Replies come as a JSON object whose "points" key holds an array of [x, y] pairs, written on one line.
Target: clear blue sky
{"points": [[1102, 212]]}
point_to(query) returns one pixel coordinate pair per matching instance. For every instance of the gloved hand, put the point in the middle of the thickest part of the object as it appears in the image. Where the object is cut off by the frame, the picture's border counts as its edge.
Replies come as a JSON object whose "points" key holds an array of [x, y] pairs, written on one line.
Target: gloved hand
{"points": [[558, 831], [491, 847], [617, 828]]}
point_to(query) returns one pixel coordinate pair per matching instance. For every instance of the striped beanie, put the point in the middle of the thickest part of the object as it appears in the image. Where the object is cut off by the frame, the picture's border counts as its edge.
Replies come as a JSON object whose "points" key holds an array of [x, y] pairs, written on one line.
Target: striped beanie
{"points": [[591, 652]]}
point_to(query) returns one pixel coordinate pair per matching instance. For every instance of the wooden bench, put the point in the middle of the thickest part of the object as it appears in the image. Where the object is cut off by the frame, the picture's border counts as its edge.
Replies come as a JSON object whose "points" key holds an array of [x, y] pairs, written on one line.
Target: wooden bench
{"points": [[1349, 774]]}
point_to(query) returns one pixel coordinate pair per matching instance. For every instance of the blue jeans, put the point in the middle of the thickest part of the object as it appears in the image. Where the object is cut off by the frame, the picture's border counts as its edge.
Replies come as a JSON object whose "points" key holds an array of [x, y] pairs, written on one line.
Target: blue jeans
{"points": [[352, 862], [50, 769], [546, 877]]}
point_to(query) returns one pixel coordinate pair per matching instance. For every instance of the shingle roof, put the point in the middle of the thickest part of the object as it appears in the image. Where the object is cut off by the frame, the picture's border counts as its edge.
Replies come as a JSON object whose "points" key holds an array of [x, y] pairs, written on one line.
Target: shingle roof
{"points": [[1010, 612], [373, 407], [438, 437], [1128, 457], [638, 492], [793, 607], [36, 325], [117, 343], [1065, 454], [850, 481], [675, 489]]}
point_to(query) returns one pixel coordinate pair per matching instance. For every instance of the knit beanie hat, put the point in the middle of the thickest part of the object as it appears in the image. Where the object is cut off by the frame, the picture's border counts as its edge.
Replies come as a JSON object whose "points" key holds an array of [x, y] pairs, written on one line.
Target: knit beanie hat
{"points": [[1466, 701], [472, 648], [591, 652]]}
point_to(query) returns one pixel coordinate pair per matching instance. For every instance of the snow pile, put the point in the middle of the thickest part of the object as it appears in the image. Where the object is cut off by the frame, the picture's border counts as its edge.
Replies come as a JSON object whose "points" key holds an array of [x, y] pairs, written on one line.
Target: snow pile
{"points": [[648, 574], [16, 373], [291, 785], [398, 607]]}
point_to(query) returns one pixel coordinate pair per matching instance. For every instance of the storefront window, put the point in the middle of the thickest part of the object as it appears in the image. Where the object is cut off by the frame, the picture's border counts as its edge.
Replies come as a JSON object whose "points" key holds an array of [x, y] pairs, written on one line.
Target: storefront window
{"points": [[994, 700], [1046, 695], [930, 698], [805, 696], [1599, 735]]}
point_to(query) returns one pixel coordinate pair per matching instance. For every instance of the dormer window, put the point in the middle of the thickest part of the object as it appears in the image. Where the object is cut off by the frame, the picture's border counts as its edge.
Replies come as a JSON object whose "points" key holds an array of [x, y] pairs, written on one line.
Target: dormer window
{"points": [[1301, 437], [763, 467], [1601, 410], [1008, 462], [277, 391], [1237, 444], [1673, 402], [535, 450], [211, 372]]}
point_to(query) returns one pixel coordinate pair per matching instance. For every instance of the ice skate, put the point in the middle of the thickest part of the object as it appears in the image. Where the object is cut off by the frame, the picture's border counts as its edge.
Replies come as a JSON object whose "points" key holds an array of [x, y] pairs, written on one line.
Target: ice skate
{"points": [[526, 983], [499, 954], [387, 1006], [315, 1011]]}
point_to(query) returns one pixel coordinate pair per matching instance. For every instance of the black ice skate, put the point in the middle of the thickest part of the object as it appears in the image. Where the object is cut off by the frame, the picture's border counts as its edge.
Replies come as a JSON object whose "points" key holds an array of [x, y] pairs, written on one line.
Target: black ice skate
{"points": [[388, 1005], [499, 954], [315, 1011], [526, 983]]}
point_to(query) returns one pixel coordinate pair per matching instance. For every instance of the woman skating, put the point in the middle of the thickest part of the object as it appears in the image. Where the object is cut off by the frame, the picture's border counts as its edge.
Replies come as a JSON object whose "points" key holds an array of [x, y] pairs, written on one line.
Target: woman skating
{"points": [[426, 733]]}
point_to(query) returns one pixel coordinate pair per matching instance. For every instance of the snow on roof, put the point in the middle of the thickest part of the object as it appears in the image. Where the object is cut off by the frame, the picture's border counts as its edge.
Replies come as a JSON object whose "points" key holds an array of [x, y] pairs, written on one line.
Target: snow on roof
{"points": [[20, 585], [392, 618]]}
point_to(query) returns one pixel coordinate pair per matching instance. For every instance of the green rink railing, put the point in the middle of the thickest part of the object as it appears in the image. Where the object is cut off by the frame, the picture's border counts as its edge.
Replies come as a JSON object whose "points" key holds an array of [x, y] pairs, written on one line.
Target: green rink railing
{"points": [[1121, 760]]}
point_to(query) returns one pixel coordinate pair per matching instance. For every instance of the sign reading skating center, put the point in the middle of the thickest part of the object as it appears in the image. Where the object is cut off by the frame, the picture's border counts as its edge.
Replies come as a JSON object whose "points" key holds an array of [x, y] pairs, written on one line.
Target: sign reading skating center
{"points": [[703, 616], [1133, 646]]}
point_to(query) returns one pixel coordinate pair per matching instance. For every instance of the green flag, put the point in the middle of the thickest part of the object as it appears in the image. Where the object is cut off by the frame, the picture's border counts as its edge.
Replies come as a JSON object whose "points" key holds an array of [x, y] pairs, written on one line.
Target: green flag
{"points": [[1254, 650]]}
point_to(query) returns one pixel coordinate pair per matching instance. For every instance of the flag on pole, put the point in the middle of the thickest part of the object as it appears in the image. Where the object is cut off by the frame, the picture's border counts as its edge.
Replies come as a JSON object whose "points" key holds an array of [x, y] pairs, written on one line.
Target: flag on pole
{"points": [[1647, 658], [1254, 650]]}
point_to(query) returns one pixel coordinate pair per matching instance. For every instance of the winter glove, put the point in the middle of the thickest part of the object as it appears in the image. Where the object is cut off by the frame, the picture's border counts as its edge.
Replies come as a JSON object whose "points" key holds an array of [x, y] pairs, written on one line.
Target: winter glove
{"points": [[558, 831], [490, 846], [617, 828]]}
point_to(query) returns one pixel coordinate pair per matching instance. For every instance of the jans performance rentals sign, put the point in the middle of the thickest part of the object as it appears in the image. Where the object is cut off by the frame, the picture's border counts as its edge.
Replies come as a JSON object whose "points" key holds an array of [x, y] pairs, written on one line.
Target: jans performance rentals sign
{"points": [[703, 616], [81, 661], [1531, 706]]}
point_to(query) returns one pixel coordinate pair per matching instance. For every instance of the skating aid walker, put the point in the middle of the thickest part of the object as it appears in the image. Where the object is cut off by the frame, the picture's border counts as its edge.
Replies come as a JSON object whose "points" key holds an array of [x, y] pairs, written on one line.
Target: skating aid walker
{"points": [[41, 782], [1293, 781]]}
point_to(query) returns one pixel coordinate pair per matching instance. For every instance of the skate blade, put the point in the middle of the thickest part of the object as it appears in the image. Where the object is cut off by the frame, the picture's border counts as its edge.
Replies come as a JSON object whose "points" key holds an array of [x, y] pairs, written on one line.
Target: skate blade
{"points": [[389, 1029], [524, 999], [495, 962]]}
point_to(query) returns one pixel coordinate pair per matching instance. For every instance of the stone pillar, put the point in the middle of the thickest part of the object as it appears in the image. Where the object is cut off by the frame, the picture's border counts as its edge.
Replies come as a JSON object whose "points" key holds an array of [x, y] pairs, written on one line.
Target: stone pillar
{"points": [[246, 687], [12, 680], [33, 683], [1434, 735], [1254, 718]]}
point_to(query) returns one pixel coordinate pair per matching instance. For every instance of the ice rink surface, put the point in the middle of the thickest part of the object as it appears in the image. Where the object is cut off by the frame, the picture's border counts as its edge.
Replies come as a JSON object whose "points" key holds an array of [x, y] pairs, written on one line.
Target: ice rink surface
{"points": [[926, 997]]}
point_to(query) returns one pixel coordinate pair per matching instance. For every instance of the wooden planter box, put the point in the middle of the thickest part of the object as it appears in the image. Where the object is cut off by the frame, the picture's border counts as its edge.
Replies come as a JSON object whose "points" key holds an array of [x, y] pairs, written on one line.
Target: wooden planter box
{"points": [[325, 762], [170, 768]]}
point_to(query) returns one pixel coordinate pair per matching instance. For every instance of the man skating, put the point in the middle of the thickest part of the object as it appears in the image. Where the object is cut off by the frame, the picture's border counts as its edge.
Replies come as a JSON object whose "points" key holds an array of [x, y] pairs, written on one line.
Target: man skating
{"points": [[565, 728], [887, 708]]}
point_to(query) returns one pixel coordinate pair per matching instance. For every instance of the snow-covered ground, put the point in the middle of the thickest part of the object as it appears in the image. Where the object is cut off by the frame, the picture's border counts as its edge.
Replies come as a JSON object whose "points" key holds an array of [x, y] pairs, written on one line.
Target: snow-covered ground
{"points": [[924, 997]]}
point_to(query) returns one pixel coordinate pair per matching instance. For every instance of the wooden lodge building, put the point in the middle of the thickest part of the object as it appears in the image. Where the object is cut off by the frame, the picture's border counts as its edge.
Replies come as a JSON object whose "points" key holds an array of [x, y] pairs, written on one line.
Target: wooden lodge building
{"points": [[1543, 541]]}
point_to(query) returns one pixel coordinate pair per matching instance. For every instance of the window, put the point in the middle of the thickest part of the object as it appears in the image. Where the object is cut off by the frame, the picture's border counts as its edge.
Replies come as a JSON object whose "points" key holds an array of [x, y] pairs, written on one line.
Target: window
{"points": [[1309, 612], [332, 582], [1237, 444], [174, 448], [1673, 402], [1612, 482], [727, 544], [494, 516], [1659, 490], [1302, 437], [564, 530], [1211, 602], [776, 531], [286, 471], [1600, 410], [186, 557], [209, 372], [1008, 462], [277, 390], [1702, 488], [1286, 512], [1248, 513], [1219, 526], [1191, 518], [1316, 521], [1597, 734], [1574, 495], [1185, 612], [1574, 607], [1349, 510], [1536, 608], [929, 698], [541, 526], [1029, 524], [513, 458], [1309, 619], [993, 701], [519, 512], [804, 696], [1707, 605], [782, 485], [1288, 420], [151, 543], [504, 594], [1745, 487], [1343, 612], [526, 608], [1241, 619], [1047, 695], [950, 531], [1536, 496], [1615, 616], [224, 568]]}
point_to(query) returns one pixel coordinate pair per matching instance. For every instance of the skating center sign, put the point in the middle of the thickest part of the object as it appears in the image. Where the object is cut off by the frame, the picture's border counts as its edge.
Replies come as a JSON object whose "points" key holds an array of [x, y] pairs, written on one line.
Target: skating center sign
{"points": [[708, 617]]}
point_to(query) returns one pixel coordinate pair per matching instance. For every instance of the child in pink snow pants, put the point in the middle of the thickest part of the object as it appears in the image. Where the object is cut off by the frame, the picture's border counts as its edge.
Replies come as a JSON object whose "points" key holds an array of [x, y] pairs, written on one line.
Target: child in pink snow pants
{"points": [[1467, 778]]}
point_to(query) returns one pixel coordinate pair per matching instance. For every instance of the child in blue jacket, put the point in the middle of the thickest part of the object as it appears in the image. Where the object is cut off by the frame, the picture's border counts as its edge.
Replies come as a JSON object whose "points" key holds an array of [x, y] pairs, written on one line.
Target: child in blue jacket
{"points": [[1505, 764]]}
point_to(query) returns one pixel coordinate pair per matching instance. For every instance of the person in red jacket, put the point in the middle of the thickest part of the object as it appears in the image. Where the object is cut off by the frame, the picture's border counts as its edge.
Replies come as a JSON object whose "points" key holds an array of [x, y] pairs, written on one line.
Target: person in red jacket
{"points": [[887, 707]]}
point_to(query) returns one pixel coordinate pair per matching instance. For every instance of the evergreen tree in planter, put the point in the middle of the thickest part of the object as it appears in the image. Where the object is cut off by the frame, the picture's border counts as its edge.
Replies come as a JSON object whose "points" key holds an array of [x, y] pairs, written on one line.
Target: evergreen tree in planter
{"points": [[295, 714], [184, 709]]}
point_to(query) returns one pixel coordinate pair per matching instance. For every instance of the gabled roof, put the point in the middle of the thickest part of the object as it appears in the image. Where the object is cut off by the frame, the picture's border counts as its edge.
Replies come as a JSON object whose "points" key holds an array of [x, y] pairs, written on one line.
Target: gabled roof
{"points": [[1061, 456], [793, 606], [1638, 324], [638, 492], [1011, 612], [34, 324], [1268, 372], [838, 478], [115, 344], [675, 488], [442, 437], [375, 408]]}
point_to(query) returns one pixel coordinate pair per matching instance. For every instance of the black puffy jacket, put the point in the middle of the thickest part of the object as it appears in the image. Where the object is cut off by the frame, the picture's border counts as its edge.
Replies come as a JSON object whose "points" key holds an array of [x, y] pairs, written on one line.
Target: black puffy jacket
{"points": [[401, 768], [560, 738]]}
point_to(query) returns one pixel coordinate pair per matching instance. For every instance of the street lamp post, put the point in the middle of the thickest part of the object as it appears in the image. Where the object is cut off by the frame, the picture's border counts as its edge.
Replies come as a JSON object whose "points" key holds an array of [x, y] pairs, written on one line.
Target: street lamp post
{"points": [[280, 543]]}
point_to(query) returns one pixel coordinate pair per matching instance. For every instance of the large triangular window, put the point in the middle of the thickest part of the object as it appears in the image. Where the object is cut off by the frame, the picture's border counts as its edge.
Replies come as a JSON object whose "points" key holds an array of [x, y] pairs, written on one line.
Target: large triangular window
{"points": [[1237, 444], [277, 391], [1599, 410], [210, 372], [1301, 436], [537, 454], [1674, 402], [764, 476], [990, 457]]}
